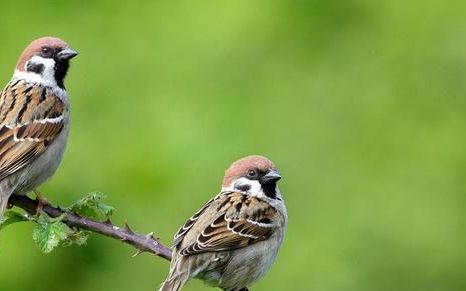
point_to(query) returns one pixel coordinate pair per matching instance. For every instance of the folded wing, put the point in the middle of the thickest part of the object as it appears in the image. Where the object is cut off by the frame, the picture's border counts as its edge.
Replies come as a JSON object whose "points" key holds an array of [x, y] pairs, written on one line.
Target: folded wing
{"points": [[241, 221], [30, 119]]}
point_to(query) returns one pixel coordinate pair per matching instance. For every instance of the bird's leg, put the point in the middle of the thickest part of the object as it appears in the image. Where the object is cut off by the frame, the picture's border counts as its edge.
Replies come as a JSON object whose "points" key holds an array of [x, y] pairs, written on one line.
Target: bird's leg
{"points": [[42, 201], [244, 289]]}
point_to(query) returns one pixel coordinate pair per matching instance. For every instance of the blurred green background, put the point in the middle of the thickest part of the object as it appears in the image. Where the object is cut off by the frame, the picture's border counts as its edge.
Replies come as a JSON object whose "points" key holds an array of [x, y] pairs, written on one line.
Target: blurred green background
{"points": [[361, 104]]}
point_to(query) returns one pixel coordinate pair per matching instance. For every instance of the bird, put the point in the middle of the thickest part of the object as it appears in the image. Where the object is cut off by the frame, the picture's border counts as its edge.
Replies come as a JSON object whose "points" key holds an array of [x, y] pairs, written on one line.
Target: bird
{"points": [[233, 239], [34, 118]]}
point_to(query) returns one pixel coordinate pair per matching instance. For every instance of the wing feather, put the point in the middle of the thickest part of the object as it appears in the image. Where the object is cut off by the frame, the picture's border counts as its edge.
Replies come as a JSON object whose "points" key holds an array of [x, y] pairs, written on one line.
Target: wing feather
{"points": [[242, 220], [189, 224], [30, 119]]}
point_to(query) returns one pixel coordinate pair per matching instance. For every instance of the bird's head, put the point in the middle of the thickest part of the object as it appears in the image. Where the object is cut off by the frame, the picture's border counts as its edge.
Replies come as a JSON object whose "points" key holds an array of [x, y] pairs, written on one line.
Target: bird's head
{"points": [[254, 175], [45, 60]]}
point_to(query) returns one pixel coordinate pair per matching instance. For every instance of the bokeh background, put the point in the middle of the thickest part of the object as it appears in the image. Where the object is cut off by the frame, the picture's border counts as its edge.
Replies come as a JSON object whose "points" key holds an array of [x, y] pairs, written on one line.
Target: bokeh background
{"points": [[361, 104]]}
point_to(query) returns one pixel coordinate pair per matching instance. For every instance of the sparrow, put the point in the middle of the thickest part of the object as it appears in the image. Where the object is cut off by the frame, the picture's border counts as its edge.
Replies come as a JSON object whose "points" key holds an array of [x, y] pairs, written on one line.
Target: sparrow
{"points": [[34, 118], [234, 238]]}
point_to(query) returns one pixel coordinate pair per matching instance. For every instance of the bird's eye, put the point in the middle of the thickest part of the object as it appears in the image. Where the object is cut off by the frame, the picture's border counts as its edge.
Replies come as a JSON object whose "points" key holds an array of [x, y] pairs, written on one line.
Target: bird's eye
{"points": [[252, 173], [46, 52]]}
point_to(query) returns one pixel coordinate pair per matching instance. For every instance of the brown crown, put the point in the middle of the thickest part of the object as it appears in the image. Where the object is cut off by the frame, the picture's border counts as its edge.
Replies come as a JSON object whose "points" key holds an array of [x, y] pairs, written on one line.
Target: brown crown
{"points": [[35, 47], [242, 166]]}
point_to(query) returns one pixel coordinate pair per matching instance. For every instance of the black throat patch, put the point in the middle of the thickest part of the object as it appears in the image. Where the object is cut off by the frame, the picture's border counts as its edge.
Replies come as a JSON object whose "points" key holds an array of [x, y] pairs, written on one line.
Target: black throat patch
{"points": [[270, 190], [61, 68]]}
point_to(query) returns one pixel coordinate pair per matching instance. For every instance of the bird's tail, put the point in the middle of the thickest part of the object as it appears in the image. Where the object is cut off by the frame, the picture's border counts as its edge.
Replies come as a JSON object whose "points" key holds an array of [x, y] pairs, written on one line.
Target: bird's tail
{"points": [[3, 204], [174, 282], [5, 192]]}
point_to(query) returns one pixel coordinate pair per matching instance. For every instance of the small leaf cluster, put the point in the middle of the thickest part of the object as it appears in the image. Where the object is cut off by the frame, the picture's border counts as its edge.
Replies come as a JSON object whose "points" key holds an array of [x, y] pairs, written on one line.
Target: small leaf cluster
{"points": [[50, 232]]}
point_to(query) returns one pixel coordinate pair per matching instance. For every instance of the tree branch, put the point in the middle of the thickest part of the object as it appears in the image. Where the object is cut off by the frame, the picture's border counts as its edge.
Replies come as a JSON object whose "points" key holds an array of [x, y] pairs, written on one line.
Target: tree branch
{"points": [[142, 243]]}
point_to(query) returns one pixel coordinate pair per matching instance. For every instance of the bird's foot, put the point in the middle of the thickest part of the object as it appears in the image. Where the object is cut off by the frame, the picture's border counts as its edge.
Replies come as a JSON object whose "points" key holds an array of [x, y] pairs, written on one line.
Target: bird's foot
{"points": [[41, 202]]}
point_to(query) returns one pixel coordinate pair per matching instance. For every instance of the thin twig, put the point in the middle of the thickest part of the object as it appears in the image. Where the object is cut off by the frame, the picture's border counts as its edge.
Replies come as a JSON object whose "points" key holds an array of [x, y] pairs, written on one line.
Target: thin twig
{"points": [[142, 243]]}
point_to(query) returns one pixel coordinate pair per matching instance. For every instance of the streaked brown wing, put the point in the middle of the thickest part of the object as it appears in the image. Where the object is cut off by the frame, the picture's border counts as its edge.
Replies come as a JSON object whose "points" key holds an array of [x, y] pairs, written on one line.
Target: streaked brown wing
{"points": [[189, 224], [30, 119], [242, 221]]}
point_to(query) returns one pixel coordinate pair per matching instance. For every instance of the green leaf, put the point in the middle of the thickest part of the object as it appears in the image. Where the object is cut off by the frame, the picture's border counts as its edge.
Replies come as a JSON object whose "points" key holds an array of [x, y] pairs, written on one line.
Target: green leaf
{"points": [[50, 232], [78, 237], [91, 206], [11, 217]]}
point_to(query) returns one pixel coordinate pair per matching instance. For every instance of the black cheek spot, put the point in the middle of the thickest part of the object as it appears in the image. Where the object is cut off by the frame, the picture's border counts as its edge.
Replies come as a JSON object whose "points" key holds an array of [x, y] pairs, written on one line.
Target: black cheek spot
{"points": [[35, 68], [244, 187]]}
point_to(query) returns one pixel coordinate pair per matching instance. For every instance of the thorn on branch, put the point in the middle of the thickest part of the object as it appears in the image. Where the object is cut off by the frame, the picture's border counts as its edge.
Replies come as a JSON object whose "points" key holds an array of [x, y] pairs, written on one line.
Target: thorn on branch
{"points": [[142, 243], [150, 236], [127, 228], [138, 252]]}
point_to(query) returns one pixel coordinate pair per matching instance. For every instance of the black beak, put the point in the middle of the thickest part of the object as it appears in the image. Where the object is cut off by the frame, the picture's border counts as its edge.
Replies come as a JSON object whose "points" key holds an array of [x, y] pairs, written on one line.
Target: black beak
{"points": [[271, 176], [67, 54]]}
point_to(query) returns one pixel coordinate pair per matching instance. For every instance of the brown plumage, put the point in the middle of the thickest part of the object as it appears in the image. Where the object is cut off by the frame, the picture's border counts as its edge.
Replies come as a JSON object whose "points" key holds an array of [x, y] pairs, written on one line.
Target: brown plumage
{"points": [[34, 118], [233, 239], [24, 130], [35, 48], [241, 166], [240, 221]]}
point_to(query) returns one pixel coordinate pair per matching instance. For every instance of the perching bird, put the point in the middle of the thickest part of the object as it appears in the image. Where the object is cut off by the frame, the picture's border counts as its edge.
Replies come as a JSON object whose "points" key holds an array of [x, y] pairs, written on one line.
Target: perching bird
{"points": [[234, 238], [34, 118]]}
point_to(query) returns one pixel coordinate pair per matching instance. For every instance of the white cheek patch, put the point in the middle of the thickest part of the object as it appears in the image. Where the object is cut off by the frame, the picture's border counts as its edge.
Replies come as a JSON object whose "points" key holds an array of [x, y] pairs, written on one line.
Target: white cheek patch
{"points": [[251, 187], [46, 78], [48, 74]]}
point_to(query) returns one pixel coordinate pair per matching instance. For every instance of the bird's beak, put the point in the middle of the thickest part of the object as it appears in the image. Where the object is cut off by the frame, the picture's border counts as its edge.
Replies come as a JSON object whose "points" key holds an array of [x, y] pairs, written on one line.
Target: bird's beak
{"points": [[67, 54], [271, 176]]}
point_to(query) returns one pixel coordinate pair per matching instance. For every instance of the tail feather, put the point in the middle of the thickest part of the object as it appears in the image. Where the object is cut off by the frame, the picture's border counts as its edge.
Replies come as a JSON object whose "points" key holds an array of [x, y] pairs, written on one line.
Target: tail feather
{"points": [[5, 192], [3, 204], [174, 283]]}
